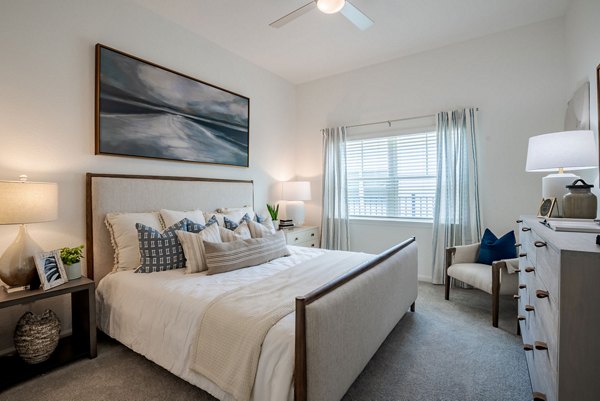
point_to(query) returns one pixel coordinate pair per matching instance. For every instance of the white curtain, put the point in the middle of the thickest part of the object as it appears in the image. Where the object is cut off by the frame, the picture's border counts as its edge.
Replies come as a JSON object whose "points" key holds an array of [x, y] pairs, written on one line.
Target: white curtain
{"points": [[456, 218], [334, 224]]}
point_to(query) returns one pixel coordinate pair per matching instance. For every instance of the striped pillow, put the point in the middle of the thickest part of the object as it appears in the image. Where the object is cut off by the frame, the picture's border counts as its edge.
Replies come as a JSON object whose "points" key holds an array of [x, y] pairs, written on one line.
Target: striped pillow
{"points": [[228, 256], [160, 251], [193, 247], [258, 230], [241, 232]]}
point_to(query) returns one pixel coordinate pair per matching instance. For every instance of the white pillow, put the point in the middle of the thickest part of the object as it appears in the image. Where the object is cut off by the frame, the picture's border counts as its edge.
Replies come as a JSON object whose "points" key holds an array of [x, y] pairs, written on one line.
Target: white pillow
{"points": [[259, 230], [193, 247], [124, 236], [170, 217]]}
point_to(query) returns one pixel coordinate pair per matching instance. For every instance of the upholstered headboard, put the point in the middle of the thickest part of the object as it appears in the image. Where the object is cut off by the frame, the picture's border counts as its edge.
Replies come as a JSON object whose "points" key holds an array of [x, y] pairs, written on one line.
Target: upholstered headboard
{"points": [[139, 193]]}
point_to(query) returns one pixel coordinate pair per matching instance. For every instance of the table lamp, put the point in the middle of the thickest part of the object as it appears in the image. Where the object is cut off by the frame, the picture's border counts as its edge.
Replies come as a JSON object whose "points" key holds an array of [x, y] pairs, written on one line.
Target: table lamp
{"points": [[295, 193], [24, 202], [559, 152]]}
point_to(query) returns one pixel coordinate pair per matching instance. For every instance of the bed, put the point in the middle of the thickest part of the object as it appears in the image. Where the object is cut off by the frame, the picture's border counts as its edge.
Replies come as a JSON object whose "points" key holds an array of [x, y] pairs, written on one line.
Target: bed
{"points": [[340, 324]]}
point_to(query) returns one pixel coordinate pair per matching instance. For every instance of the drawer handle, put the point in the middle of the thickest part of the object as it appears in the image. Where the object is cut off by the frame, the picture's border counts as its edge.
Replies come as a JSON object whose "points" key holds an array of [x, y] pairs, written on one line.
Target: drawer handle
{"points": [[541, 294], [540, 345], [519, 221], [522, 286], [523, 254], [516, 296], [517, 270], [525, 229], [312, 245], [312, 235], [540, 244], [296, 239], [529, 269], [518, 245], [537, 396], [528, 347], [520, 317], [529, 308]]}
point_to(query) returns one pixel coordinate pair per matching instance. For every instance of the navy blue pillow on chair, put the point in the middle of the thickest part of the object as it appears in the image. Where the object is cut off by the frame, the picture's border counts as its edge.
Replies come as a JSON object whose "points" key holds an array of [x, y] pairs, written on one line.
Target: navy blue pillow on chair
{"points": [[493, 248]]}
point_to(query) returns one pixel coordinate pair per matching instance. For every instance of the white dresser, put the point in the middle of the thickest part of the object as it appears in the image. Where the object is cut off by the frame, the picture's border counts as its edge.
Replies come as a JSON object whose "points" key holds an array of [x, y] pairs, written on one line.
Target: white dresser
{"points": [[559, 311], [303, 236]]}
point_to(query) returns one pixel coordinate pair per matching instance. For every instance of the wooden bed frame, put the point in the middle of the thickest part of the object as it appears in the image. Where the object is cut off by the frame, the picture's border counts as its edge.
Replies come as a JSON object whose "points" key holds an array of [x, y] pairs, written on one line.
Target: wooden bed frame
{"points": [[375, 294]]}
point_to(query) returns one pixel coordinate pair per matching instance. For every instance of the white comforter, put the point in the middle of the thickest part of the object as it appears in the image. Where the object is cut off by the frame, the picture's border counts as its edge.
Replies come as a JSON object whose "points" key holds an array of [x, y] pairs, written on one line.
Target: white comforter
{"points": [[157, 315]]}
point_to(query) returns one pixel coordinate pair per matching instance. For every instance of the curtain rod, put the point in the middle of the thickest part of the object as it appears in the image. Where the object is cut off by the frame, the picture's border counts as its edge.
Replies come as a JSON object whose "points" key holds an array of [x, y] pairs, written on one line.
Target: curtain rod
{"points": [[389, 122]]}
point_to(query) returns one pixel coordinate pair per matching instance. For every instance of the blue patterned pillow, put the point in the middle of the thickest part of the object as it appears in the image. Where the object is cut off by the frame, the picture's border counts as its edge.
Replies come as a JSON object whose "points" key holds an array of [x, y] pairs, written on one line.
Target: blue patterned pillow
{"points": [[260, 219], [231, 225], [197, 227], [160, 251]]}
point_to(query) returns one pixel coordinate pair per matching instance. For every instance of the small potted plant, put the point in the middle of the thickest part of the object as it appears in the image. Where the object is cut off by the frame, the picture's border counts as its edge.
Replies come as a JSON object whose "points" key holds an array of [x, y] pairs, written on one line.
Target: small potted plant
{"points": [[274, 212], [71, 258]]}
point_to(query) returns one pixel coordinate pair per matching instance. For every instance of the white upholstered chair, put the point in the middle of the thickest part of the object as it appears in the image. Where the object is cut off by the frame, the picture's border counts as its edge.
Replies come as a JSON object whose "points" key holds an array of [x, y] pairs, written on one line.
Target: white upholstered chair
{"points": [[461, 264]]}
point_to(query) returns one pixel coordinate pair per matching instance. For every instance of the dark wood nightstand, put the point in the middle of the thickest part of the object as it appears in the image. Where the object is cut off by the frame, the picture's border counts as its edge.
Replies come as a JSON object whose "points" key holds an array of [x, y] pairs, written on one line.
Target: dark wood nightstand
{"points": [[82, 342]]}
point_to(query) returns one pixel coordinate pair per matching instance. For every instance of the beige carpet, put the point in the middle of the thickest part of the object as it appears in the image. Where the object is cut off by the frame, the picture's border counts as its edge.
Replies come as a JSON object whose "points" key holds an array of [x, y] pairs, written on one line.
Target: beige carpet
{"points": [[446, 351]]}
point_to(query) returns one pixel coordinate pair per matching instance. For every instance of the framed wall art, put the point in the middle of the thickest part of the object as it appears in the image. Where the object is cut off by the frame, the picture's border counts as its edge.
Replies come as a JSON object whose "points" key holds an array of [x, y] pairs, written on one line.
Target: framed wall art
{"points": [[145, 110]]}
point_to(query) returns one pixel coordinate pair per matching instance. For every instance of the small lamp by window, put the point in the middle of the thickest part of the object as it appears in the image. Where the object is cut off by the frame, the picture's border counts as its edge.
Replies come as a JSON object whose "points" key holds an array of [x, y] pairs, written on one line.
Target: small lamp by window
{"points": [[559, 152], [24, 202], [295, 193]]}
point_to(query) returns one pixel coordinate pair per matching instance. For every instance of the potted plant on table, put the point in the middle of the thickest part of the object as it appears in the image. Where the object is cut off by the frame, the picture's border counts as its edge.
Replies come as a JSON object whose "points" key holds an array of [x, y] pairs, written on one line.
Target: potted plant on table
{"points": [[71, 258], [274, 212]]}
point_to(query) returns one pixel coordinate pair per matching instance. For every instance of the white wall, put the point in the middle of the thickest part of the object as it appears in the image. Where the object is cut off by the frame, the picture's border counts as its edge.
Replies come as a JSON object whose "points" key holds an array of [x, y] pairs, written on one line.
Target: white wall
{"points": [[47, 106], [516, 78], [583, 56]]}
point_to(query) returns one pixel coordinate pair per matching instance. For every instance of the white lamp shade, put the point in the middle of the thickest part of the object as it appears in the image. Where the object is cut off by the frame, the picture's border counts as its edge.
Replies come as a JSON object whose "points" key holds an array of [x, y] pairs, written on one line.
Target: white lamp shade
{"points": [[569, 150], [28, 202], [330, 6], [295, 190]]}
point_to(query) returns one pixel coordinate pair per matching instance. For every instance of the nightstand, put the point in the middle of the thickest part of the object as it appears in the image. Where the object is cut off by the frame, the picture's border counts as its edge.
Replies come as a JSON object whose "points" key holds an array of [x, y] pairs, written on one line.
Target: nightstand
{"points": [[82, 342], [307, 236]]}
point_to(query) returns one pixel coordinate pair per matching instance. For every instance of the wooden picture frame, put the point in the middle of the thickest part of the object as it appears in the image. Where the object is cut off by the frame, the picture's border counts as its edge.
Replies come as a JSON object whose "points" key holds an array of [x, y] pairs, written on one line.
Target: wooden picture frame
{"points": [[146, 110], [50, 269], [547, 207]]}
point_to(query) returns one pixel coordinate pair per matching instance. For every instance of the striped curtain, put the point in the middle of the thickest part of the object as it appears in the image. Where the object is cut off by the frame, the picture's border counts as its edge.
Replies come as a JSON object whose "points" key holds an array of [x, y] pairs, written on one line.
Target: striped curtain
{"points": [[335, 224], [456, 218]]}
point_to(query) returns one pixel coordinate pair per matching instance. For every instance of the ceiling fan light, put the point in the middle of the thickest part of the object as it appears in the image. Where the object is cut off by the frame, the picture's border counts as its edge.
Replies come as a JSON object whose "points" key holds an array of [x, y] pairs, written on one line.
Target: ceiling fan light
{"points": [[330, 6]]}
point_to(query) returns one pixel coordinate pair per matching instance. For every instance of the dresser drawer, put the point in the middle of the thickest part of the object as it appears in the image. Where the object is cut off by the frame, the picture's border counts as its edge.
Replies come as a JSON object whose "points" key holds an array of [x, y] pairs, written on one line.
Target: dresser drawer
{"points": [[545, 376], [309, 244], [303, 236], [548, 269], [527, 239]]}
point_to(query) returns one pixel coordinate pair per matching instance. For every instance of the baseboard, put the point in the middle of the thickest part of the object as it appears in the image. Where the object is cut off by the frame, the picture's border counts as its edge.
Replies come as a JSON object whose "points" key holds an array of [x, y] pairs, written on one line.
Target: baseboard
{"points": [[423, 277]]}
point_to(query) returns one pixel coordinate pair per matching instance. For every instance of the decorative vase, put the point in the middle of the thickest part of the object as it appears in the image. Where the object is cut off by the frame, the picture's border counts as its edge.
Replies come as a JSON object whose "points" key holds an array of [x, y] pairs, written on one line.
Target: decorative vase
{"points": [[73, 271], [17, 267], [36, 336], [276, 224]]}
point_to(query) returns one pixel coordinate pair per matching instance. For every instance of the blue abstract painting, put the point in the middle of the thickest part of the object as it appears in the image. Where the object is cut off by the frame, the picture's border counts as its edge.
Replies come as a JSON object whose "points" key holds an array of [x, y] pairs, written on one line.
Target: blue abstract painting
{"points": [[144, 110]]}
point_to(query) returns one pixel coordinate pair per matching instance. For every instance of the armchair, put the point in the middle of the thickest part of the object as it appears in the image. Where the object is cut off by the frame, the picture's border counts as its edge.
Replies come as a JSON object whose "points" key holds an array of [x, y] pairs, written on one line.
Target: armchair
{"points": [[499, 278]]}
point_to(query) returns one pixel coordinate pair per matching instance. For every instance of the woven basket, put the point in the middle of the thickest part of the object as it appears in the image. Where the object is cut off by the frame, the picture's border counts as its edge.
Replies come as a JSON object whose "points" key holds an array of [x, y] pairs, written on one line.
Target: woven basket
{"points": [[36, 336]]}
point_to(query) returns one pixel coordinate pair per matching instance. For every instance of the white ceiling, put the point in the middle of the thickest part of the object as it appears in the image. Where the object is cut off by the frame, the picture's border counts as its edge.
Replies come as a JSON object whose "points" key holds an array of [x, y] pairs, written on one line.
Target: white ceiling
{"points": [[317, 45]]}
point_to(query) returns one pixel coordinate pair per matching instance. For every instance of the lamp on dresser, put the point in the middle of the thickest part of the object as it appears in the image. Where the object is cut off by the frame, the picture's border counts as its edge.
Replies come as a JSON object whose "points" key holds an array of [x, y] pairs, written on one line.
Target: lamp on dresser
{"points": [[295, 193], [24, 202], [559, 152]]}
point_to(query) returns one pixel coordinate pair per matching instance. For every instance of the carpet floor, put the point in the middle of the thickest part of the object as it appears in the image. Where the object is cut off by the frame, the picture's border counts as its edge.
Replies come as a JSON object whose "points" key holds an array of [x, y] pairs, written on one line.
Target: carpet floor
{"points": [[445, 351]]}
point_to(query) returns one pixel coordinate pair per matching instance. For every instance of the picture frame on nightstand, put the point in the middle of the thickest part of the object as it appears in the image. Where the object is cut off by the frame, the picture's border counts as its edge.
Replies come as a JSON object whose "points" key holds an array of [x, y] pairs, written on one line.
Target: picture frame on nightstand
{"points": [[50, 269]]}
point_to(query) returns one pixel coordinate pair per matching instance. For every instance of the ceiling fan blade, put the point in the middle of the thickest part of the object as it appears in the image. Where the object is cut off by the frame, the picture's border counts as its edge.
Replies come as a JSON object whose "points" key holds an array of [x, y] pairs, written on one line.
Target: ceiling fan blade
{"points": [[293, 15], [356, 16]]}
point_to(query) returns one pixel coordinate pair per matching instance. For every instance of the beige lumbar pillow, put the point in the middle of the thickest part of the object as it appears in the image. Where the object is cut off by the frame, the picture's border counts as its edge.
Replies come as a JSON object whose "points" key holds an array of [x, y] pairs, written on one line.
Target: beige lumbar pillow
{"points": [[228, 256], [124, 236], [193, 247]]}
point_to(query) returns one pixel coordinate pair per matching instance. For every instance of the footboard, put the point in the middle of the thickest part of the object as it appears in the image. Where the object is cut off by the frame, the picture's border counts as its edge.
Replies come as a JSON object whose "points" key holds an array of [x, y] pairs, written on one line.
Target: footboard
{"points": [[342, 324]]}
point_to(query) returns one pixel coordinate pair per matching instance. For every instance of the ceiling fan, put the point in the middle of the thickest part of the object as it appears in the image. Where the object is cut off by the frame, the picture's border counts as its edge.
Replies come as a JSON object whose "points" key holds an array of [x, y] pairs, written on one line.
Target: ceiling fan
{"points": [[348, 10]]}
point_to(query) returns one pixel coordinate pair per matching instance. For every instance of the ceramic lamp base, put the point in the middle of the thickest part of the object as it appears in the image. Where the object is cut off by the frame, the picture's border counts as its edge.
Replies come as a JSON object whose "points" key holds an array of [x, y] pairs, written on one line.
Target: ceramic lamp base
{"points": [[17, 267], [555, 186], [294, 210]]}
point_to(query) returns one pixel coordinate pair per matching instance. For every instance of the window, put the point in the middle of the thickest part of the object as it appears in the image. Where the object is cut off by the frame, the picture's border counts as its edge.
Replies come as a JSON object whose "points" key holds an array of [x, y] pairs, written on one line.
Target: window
{"points": [[392, 176]]}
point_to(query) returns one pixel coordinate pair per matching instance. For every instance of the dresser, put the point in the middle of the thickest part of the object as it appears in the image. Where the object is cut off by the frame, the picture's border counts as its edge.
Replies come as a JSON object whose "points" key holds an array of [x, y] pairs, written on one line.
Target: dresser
{"points": [[559, 311], [303, 236]]}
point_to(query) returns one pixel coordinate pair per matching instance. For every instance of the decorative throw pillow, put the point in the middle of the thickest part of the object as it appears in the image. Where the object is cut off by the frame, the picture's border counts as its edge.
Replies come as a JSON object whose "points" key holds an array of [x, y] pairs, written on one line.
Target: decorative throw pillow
{"points": [[193, 247], [241, 232], [228, 256], [124, 236], [232, 225], [170, 217], [266, 221], [258, 230], [160, 251], [234, 215], [493, 248]]}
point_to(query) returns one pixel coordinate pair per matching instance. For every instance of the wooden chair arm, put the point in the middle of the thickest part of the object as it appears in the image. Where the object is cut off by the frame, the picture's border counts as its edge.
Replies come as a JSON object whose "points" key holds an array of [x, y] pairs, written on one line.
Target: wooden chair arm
{"points": [[449, 254]]}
